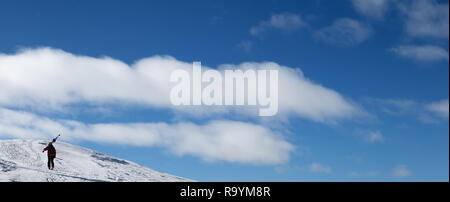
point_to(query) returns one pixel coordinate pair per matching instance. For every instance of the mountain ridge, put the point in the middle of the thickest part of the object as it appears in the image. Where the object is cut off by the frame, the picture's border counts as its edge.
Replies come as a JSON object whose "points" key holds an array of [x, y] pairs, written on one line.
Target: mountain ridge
{"points": [[23, 161]]}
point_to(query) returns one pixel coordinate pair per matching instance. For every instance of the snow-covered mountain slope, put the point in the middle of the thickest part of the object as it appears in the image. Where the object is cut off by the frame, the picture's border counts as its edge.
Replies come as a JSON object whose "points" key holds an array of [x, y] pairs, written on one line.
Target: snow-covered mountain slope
{"points": [[23, 160]]}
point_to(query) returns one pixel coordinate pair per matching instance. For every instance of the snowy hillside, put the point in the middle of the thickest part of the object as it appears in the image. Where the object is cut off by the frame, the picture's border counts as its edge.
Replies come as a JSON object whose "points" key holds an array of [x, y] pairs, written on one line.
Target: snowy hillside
{"points": [[23, 160]]}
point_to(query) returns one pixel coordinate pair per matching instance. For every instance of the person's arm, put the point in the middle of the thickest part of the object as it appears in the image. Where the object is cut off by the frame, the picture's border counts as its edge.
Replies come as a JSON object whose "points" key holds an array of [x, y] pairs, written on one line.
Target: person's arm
{"points": [[45, 149]]}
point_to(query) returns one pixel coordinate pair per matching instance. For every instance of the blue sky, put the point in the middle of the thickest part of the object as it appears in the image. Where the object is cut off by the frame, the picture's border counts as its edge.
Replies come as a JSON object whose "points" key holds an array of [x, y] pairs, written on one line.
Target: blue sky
{"points": [[387, 59]]}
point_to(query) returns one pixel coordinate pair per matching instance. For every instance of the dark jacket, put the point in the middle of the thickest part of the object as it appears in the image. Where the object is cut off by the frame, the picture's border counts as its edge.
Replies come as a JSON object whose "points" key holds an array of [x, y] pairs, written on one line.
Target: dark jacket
{"points": [[51, 151]]}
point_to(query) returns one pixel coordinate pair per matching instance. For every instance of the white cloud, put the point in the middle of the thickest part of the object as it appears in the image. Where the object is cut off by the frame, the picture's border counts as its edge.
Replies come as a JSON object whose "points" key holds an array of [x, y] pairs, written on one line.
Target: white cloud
{"points": [[371, 8], [422, 53], [401, 171], [50, 79], [375, 136], [370, 136], [353, 174], [425, 112], [214, 141], [426, 18], [319, 168], [441, 108], [284, 22], [344, 31], [299, 96], [396, 106]]}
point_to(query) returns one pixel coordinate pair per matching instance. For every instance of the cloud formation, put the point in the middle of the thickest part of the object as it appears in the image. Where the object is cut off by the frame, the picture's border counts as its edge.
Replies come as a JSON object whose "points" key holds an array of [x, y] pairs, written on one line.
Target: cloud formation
{"points": [[428, 112], [426, 18], [375, 9], [374, 136], [344, 31], [285, 22], [421, 53], [319, 168], [401, 171], [441, 108], [229, 141], [51, 79], [370, 136]]}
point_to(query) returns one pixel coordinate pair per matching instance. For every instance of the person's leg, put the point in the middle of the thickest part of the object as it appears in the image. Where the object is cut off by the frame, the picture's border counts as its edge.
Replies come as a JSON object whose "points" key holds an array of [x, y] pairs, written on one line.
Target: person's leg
{"points": [[52, 162], [48, 162]]}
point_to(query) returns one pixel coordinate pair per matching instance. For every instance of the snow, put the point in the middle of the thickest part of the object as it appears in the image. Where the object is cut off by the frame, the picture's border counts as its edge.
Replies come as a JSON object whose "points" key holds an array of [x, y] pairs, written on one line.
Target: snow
{"points": [[23, 161]]}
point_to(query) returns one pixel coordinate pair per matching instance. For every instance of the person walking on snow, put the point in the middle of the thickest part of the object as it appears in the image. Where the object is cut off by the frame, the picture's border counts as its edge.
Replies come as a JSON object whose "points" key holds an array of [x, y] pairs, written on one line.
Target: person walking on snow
{"points": [[51, 154]]}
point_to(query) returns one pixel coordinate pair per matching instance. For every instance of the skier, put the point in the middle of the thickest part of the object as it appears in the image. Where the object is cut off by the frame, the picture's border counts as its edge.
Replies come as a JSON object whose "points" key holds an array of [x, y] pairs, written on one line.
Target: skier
{"points": [[51, 153]]}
